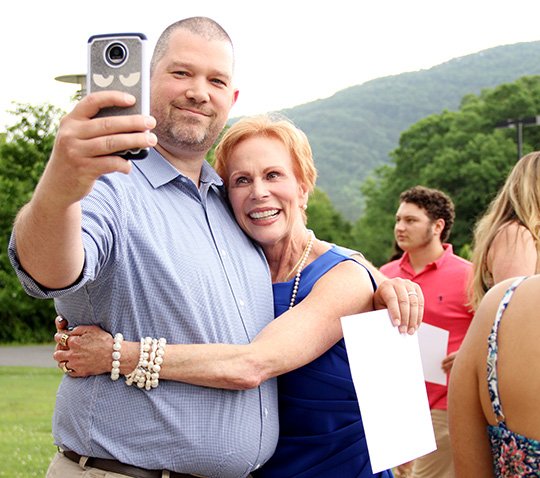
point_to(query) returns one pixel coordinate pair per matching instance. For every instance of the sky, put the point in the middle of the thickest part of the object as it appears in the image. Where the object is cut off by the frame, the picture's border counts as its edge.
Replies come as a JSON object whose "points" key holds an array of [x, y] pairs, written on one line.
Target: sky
{"points": [[288, 52]]}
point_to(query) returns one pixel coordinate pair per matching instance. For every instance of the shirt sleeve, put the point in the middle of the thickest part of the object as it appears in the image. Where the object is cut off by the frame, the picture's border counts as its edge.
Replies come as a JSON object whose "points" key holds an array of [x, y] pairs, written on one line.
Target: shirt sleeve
{"points": [[102, 226]]}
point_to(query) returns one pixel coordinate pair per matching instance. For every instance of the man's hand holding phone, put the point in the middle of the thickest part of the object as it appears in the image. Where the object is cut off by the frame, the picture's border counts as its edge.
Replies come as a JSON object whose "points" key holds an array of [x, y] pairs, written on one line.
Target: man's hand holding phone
{"points": [[108, 126], [86, 146]]}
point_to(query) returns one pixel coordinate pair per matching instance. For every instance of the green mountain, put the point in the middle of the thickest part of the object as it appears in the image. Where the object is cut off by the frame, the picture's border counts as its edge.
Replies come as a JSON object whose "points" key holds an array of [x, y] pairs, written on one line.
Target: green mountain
{"points": [[355, 130]]}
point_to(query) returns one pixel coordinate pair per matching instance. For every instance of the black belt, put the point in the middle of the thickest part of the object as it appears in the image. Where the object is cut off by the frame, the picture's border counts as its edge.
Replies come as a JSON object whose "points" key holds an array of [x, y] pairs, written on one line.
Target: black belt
{"points": [[118, 467]]}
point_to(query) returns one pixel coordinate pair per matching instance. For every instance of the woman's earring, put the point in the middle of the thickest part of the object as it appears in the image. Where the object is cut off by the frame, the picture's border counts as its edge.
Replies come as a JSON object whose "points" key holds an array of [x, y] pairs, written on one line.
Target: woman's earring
{"points": [[304, 207]]}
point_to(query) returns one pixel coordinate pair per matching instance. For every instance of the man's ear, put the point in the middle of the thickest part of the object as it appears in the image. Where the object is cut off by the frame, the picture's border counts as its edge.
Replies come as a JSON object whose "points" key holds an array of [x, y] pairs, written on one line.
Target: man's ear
{"points": [[438, 226], [235, 97]]}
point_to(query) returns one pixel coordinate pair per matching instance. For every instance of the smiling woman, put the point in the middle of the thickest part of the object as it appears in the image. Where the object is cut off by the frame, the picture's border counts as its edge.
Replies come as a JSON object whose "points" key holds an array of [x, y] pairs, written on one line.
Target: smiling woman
{"points": [[268, 169]]}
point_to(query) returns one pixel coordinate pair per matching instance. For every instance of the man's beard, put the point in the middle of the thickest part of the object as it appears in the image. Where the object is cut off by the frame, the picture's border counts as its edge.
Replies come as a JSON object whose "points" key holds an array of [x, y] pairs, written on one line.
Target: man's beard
{"points": [[193, 137], [427, 237], [187, 134], [423, 241]]}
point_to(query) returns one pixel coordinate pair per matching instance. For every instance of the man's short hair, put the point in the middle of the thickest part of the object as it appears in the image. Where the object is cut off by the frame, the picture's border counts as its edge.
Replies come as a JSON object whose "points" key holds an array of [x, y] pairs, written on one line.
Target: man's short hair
{"points": [[436, 204], [202, 26]]}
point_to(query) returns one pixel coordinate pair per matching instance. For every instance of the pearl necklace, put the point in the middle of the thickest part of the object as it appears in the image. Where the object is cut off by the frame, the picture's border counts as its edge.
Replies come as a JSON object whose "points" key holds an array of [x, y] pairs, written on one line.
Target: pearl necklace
{"points": [[305, 255], [290, 275]]}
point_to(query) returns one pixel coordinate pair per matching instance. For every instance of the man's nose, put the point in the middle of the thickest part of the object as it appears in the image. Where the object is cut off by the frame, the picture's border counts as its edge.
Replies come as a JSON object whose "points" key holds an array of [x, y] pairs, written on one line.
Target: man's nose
{"points": [[198, 91]]}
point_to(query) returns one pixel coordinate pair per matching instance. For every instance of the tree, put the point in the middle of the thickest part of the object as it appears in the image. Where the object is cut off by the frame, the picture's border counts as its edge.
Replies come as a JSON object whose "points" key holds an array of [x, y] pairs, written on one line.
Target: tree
{"points": [[325, 221], [461, 153], [24, 151], [372, 233]]}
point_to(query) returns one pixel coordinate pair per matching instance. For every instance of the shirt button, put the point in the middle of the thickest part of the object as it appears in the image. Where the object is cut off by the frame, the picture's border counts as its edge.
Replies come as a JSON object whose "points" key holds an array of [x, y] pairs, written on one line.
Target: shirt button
{"points": [[241, 302], [265, 412]]}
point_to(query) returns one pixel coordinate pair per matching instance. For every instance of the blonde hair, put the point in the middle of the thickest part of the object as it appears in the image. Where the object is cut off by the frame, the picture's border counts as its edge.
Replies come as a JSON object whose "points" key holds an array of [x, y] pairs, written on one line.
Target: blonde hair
{"points": [[268, 126], [517, 201]]}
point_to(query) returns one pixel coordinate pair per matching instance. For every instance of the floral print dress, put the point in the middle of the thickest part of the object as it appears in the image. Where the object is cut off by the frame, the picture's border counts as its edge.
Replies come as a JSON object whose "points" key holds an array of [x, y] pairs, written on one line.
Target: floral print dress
{"points": [[514, 455]]}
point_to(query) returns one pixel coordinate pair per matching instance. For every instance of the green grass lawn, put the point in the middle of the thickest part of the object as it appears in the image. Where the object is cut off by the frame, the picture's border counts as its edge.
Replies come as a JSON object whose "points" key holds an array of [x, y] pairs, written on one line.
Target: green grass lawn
{"points": [[27, 398]]}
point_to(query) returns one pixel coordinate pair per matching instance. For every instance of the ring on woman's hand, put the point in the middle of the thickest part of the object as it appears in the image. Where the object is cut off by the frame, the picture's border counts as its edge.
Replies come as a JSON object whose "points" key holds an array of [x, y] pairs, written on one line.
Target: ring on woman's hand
{"points": [[64, 339], [412, 292], [65, 368]]}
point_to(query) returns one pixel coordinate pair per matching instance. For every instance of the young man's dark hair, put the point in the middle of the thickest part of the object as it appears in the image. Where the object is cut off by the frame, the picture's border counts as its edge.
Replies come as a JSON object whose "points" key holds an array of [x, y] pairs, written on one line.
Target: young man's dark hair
{"points": [[436, 204]]}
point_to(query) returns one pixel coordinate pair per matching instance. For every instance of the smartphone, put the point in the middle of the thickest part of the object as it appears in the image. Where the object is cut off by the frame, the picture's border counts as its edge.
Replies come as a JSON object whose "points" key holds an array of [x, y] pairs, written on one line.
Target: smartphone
{"points": [[117, 61]]}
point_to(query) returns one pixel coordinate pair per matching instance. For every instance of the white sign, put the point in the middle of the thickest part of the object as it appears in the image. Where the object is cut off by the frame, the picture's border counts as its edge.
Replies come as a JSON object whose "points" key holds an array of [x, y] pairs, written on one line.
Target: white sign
{"points": [[387, 374], [433, 343]]}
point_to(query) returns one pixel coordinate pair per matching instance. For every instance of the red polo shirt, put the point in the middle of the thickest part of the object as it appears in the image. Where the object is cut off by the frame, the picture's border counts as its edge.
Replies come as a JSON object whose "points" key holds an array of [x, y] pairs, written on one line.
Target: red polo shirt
{"points": [[444, 284]]}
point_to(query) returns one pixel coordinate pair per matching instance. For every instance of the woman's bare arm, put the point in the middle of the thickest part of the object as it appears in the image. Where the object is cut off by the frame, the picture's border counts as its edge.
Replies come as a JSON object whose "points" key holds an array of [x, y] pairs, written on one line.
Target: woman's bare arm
{"points": [[292, 340]]}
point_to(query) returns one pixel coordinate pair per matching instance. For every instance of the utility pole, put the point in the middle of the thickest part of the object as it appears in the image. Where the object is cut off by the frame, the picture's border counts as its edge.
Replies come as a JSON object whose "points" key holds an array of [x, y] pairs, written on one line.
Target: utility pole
{"points": [[518, 124]]}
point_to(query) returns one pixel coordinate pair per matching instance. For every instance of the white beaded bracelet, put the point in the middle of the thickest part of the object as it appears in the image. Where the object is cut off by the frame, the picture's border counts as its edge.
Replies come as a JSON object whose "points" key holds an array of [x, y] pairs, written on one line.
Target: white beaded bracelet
{"points": [[117, 346], [134, 375], [146, 373], [154, 366]]}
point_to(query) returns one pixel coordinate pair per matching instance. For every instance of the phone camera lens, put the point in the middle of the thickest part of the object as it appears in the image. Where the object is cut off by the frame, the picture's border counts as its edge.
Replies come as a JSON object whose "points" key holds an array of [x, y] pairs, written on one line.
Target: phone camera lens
{"points": [[116, 54]]}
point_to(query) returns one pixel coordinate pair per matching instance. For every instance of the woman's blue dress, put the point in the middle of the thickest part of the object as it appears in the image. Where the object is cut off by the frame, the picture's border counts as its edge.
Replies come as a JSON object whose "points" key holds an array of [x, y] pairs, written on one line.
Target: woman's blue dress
{"points": [[321, 432]]}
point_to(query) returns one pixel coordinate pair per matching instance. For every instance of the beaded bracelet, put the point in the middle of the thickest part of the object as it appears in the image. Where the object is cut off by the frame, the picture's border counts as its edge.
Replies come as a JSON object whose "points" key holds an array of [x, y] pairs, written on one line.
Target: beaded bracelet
{"points": [[134, 375], [117, 346], [146, 373], [157, 360]]}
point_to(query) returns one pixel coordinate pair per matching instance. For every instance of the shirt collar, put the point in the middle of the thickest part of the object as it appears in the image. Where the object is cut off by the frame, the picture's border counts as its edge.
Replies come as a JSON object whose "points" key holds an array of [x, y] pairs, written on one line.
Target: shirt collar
{"points": [[158, 171], [405, 263]]}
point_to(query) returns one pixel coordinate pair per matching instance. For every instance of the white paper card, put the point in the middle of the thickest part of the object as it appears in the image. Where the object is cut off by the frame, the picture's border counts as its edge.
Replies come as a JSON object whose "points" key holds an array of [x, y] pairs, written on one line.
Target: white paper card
{"points": [[433, 343], [387, 374]]}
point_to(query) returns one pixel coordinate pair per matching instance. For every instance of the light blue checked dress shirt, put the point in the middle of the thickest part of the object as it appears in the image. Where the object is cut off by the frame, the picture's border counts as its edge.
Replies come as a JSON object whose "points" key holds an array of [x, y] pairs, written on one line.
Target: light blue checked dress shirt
{"points": [[166, 259]]}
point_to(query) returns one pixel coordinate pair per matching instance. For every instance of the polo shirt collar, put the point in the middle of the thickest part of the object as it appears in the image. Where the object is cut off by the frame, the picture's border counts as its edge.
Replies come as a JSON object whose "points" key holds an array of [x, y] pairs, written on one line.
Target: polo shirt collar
{"points": [[404, 262], [158, 171]]}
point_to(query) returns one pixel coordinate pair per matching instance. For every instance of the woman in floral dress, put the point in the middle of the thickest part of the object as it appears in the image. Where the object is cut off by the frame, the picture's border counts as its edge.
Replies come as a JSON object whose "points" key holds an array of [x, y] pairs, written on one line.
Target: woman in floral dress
{"points": [[494, 394]]}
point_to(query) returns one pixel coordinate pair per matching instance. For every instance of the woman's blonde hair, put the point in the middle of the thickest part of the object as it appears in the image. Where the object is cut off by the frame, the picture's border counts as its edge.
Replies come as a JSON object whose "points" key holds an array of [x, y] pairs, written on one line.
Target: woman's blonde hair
{"points": [[267, 126], [517, 201]]}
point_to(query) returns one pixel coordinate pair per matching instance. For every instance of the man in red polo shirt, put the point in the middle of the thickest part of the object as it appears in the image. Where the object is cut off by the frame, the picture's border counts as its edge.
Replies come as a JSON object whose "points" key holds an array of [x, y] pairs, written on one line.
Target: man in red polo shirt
{"points": [[424, 220]]}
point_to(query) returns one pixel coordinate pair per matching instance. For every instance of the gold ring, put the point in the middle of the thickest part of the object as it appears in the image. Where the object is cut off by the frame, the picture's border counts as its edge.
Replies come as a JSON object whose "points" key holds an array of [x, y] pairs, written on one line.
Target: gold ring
{"points": [[64, 339], [65, 368]]}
